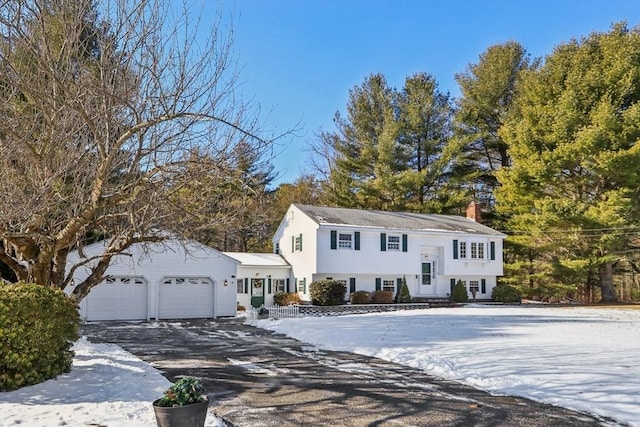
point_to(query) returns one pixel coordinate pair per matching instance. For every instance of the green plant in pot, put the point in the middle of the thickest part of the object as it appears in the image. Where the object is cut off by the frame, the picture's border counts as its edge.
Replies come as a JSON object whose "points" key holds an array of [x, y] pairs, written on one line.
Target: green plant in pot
{"points": [[182, 405]]}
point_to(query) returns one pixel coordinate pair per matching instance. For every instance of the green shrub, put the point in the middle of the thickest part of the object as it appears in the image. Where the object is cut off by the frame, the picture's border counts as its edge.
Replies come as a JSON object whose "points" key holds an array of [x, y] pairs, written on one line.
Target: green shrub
{"points": [[38, 326], [403, 295], [283, 298], [185, 391], [459, 292], [360, 297], [382, 297], [327, 292], [506, 293]]}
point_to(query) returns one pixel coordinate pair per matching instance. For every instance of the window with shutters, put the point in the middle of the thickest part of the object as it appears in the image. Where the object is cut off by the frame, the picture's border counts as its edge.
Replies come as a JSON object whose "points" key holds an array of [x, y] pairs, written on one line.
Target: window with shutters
{"points": [[393, 242], [345, 241], [240, 286], [279, 285], [298, 243], [463, 249], [388, 285]]}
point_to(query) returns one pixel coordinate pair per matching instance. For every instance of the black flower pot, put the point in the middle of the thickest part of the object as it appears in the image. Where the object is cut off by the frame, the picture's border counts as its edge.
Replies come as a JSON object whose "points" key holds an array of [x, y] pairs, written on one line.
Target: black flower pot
{"points": [[193, 415]]}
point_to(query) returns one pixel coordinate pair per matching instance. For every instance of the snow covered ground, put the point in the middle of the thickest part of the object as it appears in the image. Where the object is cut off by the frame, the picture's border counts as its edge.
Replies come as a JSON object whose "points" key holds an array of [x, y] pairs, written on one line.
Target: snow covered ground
{"points": [[587, 359], [107, 386]]}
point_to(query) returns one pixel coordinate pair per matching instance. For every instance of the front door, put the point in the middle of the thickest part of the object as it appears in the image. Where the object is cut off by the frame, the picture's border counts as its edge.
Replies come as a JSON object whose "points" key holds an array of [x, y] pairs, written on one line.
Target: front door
{"points": [[428, 277], [257, 292]]}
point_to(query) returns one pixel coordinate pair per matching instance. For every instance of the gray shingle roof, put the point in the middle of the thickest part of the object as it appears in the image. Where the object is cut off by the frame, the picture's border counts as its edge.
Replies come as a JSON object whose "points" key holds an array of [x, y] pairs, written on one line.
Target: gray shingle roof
{"points": [[395, 220]]}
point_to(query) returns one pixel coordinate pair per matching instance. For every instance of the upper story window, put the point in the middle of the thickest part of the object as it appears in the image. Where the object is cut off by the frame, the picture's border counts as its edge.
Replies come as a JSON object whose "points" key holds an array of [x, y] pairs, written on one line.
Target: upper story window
{"points": [[277, 248], [474, 250], [345, 240], [393, 242], [463, 249], [298, 245]]}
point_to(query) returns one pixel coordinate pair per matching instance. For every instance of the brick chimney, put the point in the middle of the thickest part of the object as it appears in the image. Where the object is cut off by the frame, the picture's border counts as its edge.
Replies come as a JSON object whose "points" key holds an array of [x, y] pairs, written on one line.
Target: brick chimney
{"points": [[473, 212]]}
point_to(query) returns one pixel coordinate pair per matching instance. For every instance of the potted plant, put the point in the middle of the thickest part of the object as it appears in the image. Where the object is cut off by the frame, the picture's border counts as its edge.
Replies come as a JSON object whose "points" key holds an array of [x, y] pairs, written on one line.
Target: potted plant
{"points": [[182, 405]]}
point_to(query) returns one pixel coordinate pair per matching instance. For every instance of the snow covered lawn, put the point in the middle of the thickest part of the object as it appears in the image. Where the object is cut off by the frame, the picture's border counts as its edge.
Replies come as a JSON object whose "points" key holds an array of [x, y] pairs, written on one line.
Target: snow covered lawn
{"points": [[587, 359], [107, 386]]}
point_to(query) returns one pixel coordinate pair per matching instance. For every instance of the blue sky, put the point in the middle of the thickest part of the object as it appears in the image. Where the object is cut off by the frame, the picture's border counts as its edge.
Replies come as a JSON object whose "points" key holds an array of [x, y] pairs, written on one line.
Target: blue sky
{"points": [[299, 58]]}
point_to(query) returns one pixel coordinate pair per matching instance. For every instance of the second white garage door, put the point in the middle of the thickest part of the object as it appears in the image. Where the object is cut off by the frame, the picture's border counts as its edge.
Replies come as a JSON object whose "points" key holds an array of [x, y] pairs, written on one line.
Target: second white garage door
{"points": [[185, 297]]}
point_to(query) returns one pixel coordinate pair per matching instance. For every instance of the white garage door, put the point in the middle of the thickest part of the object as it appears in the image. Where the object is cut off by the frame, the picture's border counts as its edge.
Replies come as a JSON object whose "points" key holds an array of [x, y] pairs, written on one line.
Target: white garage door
{"points": [[185, 297], [118, 298]]}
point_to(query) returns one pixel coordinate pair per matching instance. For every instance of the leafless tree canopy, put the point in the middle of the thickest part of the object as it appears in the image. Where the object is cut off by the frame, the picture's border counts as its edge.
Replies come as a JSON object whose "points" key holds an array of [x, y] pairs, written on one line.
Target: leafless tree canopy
{"points": [[103, 104]]}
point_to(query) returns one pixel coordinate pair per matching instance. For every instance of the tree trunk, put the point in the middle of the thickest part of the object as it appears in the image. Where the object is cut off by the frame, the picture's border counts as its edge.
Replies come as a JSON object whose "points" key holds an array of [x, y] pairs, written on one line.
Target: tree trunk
{"points": [[607, 289]]}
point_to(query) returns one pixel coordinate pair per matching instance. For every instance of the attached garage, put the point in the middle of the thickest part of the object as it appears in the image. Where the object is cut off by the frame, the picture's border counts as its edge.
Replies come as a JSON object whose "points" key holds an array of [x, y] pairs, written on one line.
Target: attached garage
{"points": [[118, 298], [185, 297], [169, 280]]}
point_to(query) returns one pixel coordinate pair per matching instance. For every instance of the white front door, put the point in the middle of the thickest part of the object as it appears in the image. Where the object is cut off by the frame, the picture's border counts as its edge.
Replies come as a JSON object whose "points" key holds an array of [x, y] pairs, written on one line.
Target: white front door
{"points": [[428, 276]]}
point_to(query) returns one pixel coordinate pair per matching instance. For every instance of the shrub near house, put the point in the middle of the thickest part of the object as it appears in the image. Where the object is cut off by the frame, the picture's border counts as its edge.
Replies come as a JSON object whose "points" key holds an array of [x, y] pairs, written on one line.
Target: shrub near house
{"points": [[327, 292], [38, 326]]}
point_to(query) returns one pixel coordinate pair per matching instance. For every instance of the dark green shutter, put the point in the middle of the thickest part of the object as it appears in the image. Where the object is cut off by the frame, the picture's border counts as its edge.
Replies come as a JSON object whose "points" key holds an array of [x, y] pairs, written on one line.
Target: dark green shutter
{"points": [[269, 285], [300, 242], [383, 242], [288, 288], [356, 238], [483, 284], [492, 251], [352, 285], [455, 249], [334, 239], [246, 285], [398, 283], [378, 284], [304, 285], [453, 285], [405, 242], [293, 244]]}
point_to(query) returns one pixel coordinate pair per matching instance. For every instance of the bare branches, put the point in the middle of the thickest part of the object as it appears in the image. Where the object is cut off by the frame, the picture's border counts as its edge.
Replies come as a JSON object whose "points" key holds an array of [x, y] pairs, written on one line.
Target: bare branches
{"points": [[102, 103]]}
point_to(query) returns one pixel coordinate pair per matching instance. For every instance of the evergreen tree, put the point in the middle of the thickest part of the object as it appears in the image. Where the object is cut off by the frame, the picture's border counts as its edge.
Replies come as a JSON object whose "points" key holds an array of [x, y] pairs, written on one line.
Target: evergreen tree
{"points": [[488, 88], [572, 191]]}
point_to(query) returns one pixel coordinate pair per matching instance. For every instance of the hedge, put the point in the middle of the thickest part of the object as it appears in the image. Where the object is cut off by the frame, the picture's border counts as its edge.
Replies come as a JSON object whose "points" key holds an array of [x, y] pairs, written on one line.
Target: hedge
{"points": [[506, 293], [282, 298], [327, 292], [360, 297], [38, 326]]}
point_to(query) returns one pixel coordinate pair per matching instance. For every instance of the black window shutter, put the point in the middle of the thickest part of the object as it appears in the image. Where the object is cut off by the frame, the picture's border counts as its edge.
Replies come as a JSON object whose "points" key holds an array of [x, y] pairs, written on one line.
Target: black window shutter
{"points": [[453, 285], [246, 285], [455, 250], [492, 251], [483, 284], [352, 285], [269, 285], [334, 239], [288, 288], [383, 242], [356, 240], [398, 283], [405, 243], [378, 284]]}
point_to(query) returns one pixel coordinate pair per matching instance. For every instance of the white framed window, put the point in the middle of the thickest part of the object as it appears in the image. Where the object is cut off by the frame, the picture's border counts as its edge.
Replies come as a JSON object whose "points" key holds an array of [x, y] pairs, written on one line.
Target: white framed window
{"points": [[298, 244], [477, 250], [240, 286], [278, 285], [388, 285], [463, 249], [393, 242], [345, 241], [474, 285], [277, 248], [302, 285]]}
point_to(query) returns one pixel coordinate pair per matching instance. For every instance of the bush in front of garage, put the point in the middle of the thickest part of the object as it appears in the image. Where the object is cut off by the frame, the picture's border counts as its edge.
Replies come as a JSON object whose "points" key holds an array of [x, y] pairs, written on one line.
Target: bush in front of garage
{"points": [[286, 298], [38, 326], [327, 292], [360, 297]]}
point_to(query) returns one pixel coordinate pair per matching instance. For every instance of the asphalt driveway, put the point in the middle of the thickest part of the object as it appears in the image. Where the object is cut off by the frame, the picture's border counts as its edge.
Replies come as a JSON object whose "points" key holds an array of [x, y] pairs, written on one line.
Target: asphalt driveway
{"points": [[257, 378]]}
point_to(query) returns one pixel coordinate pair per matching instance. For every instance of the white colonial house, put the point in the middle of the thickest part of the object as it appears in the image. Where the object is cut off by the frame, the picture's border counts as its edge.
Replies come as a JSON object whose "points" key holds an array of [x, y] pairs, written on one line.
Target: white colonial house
{"points": [[259, 277], [169, 280], [375, 250]]}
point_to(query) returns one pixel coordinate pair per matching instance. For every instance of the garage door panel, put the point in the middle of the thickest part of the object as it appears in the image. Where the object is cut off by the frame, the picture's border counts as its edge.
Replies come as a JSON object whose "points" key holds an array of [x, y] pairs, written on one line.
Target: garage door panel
{"points": [[185, 298], [118, 298]]}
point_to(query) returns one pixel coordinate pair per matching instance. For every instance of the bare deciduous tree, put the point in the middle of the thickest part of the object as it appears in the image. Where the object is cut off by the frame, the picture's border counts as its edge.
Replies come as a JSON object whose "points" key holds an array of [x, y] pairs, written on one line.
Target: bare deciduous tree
{"points": [[102, 103]]}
